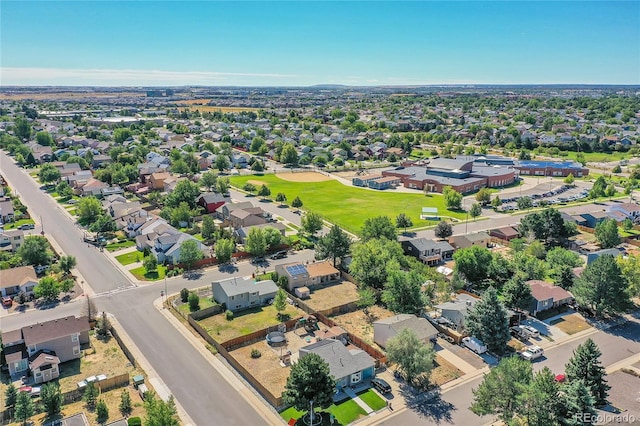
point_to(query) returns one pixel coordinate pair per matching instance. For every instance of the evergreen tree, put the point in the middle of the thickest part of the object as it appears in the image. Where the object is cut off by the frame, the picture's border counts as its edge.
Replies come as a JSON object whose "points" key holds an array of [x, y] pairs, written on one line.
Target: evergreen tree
{"points": [[585, 365], [10, 396], [24, 407], [125, 403], [160, 413], [51, 399], [296, 203], [90, 396], [538, 403], [102, 412], [516, 293], [488, 321], [607, 233], [309, 380], [335, 244], [578, 408]]}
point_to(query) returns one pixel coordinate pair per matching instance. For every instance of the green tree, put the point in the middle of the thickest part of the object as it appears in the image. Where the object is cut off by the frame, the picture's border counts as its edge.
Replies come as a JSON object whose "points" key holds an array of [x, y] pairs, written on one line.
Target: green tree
{"points": [[222, 162], [369, 260], [51, 399], [585, 365], [602, 287], [366, 299], [524, 203], [599, 188], [498, 393], [443, 230], [488, 321], [24, 407], [403, 292], [48, 173], [607, 234], [311, 222], [184, 192], [88, 210], [281, 198], [529, 266], [264, 191], [47, 289], [403, 221], [90, 396], [496, 202], [150, 264], [67, 263], [413, 357], [378, 227], [102, 412], [194, 302], [104, 223], [475, 210], [629, 267], [309, 380], [209, 180], [280, 302], [35, 250], [181, 215], [559, 257], [569, 180], [249, 187], [627, 224], [536, 249], [296, 203], [10, 396], [256, 143], [547, 226], [610, 190], [517, 293], [184, 295], [190, 253], [208, 227], [255, 243], [121, 134], [223, 185], [224, 250], [336, 244], [539, 401], [160, 413], [473, 263], [578, 406], [483, 196], [452, 198], [22, 129], [289, 155], [125, 406]]}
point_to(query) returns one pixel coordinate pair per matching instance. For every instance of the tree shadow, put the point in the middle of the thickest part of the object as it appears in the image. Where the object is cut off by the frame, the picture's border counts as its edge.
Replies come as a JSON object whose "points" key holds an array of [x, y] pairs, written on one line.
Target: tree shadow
{"points": [[429, 405]]}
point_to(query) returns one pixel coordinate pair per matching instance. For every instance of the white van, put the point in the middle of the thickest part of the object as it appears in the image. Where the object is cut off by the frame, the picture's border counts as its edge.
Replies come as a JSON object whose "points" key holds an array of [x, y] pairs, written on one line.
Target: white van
{"points": [[474, 344]]}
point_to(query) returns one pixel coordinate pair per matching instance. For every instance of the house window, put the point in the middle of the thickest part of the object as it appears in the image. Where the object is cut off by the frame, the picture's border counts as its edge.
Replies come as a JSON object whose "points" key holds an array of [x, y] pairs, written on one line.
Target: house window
{"points": [[356, 377], [74, 337], [31, 349], [38, 374], [76, 350]]}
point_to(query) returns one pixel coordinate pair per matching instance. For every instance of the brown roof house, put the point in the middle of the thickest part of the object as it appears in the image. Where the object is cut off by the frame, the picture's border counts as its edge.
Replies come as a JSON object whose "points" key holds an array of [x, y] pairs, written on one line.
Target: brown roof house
{"points": [[41, 347], [15, 280], [546, 296]]}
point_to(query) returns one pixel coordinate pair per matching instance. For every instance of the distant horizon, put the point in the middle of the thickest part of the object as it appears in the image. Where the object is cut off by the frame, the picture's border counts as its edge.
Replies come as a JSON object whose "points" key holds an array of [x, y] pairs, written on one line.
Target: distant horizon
{"points": [[305, 43]]}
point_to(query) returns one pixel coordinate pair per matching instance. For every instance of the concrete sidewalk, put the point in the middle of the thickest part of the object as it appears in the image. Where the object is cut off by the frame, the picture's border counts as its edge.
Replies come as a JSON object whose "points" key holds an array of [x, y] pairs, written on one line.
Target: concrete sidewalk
{"points": [[458, 362]]}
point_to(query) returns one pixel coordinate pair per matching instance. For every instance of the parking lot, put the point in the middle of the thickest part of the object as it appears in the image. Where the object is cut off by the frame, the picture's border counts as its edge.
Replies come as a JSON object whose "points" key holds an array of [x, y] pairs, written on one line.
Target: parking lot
{"points": [[546, 194]]}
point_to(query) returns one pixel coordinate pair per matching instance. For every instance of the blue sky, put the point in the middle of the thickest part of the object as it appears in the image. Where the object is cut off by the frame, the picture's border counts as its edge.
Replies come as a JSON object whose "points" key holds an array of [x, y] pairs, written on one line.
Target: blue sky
{"points": [[305, 42]]}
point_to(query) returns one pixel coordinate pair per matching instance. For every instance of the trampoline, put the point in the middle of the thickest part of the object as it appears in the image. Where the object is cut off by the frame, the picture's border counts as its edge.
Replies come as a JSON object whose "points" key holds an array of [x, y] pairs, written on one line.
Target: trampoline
{"points": [[276, 338]]}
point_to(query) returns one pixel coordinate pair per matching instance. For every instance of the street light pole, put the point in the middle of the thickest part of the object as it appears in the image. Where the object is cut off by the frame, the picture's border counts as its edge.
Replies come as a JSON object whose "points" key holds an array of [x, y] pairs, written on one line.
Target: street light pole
{"points": [[311, 412]]}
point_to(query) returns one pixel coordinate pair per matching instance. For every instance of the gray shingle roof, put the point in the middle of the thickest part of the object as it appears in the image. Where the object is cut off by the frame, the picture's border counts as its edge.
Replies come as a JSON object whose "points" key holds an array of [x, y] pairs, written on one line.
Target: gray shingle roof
{"points": [[235, 286], [342, 361]]}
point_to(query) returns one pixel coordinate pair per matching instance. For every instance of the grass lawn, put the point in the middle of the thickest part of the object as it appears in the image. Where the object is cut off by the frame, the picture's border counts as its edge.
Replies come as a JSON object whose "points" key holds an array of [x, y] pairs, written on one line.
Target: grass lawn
{"points": [[205, 302], [120, 245], [143, 275], [571, 324], [600, 157], [198, 237], [129, 258], [13, 225], [373, 400], [349, 206], [345, 413], [245, 322], [630, 233]]}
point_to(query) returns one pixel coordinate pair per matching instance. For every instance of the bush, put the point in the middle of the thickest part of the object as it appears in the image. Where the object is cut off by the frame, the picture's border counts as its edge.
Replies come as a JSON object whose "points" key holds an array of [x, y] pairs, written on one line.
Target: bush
{"points": [[255, 353], [194, 302], [184, 294], [229, 315], [134, 421]]}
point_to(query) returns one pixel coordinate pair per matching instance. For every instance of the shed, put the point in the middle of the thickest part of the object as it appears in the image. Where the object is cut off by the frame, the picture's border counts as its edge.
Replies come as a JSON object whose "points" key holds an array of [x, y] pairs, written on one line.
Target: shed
{"points": [[302, 292]]}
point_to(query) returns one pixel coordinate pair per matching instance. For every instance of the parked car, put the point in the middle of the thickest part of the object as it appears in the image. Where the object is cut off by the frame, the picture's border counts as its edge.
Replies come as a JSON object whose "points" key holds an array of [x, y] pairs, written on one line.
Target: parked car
{"points": [[7, 301], [381, 385], [40, 269], [533, 332], [531, 353], [519, 332], [26, 226], [474, 344], [279, 255]]}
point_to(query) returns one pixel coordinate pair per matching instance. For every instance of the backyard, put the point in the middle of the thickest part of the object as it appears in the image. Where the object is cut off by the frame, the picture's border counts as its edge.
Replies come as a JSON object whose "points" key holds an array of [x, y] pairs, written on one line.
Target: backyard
{"points": [[348, 206], [245, 322], [361, 324], [325, 297]]}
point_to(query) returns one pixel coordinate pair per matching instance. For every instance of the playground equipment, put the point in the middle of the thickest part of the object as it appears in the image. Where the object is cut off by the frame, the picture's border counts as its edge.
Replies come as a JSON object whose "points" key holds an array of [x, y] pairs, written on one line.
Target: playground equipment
{"points": [[276, 338], [310, 324]]}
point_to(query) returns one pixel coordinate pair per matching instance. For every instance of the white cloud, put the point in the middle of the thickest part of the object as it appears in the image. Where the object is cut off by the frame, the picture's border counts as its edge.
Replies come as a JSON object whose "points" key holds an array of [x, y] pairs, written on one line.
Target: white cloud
{"points": [[115, 77]]}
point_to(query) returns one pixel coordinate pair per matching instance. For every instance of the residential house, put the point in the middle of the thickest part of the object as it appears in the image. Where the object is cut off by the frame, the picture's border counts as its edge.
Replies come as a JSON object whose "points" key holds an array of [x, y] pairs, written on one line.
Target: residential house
{"points": [[93, 187], [228, 208], [211, 201], [506, 233], [594, 218], [167, 247], [352, 368], [100, 160], [428, 251], [481, 239], [156, 180], [7, 213], [249, 217], [630, 210], [240, 293], [242, 233], [314, 274], [387, 328], [15, 280], [615, 252], [11, 239], [41, 347], [456, 312], [546, 296]]}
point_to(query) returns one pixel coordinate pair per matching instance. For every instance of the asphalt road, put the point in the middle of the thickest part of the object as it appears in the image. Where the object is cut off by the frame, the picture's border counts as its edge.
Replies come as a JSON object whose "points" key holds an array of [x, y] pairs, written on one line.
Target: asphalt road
{"points": [[452, 407]]}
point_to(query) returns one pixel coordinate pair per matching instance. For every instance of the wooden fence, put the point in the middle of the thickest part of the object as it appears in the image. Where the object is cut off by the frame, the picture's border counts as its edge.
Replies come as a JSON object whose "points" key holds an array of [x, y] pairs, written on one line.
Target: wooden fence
{"points": [[124, 348], [205, 313], [247, 339]]}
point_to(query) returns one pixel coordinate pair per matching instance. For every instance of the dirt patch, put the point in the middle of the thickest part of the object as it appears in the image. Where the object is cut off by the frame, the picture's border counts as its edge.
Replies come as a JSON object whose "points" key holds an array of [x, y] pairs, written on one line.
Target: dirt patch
{"points": [[266, 369], [327, 297], [303, 177], [444, 372], [257, 183], [361, 324], [571, 324]]}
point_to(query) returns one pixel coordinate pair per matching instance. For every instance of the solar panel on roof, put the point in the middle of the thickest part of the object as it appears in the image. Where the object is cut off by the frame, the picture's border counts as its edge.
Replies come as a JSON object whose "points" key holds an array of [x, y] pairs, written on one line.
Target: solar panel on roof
{"points": [[296, 269]]}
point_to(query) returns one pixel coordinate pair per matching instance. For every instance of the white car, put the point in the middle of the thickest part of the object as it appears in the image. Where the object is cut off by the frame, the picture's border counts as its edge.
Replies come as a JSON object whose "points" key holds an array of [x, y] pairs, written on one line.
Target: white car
{"points": [[474, 344], [533, 332], [531, 353]]}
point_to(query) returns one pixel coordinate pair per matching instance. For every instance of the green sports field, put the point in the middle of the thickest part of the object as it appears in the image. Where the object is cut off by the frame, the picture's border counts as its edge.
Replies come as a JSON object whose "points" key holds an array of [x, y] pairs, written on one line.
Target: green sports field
{"points": [[348, 206]]}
